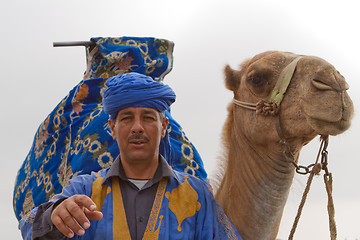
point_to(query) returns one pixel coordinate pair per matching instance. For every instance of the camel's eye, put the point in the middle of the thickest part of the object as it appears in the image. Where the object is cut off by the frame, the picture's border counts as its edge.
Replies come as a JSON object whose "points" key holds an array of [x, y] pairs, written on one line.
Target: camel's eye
{"points": [[256, 81]]}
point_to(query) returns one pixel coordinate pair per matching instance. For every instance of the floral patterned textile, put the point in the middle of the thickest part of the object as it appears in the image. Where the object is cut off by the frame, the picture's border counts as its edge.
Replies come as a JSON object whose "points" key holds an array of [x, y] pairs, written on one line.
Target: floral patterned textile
{"points": [[75, 139]]}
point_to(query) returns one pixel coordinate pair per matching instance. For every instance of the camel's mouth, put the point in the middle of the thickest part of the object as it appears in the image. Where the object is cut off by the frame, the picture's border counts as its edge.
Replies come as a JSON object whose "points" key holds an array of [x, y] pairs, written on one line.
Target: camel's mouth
{"points": [[324, 127], [329, 117]]}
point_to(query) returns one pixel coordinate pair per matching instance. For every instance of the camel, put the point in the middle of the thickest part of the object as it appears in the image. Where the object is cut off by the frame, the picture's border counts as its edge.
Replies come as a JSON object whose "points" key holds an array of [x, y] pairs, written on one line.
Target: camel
{"points": [[257, 175]]}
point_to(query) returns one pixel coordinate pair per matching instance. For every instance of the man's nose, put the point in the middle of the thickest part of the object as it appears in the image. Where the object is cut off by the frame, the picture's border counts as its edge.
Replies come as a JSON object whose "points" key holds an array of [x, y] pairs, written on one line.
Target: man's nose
{"points": [[137, 127]]}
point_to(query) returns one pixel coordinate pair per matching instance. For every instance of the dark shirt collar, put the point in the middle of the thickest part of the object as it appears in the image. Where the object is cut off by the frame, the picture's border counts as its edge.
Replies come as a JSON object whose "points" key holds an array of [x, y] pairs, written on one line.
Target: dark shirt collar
{"points": [[163, 170]]}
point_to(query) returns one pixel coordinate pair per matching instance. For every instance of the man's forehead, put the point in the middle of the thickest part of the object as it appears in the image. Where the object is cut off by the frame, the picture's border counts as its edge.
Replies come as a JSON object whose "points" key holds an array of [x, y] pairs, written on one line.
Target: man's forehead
{"points": [[132, 110]]}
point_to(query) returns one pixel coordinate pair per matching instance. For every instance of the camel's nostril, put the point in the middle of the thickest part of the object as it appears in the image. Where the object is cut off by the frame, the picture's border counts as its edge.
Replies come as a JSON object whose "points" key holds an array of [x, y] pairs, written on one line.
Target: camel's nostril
{"points": [[320, 85]]}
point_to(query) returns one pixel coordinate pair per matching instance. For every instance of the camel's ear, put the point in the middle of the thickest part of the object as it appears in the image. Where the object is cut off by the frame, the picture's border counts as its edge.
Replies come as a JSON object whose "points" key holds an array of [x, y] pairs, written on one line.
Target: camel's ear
{"points": [[232, 78]]}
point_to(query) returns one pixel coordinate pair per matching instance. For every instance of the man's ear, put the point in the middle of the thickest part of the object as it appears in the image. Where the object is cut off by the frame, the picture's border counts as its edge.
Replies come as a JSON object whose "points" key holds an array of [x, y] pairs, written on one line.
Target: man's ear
{"points": [[165, 123], [112, 128]]}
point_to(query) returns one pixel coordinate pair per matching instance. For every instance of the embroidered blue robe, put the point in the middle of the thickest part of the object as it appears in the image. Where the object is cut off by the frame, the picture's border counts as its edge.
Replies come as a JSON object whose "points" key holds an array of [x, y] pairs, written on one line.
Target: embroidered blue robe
{"points": [[175, 215]]}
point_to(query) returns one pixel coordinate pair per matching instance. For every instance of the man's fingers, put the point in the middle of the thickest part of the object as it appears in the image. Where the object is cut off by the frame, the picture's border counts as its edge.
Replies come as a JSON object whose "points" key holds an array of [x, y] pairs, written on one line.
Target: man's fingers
{"points": [[77, 209], [88, 211], [69, 215], [73, 217], [93, 215], [89, 208], [61, 226], [85, 201]]}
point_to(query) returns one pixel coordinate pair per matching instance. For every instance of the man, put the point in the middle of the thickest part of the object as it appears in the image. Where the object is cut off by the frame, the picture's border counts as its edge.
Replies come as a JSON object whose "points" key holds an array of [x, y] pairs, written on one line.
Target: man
{"points": [[139, 196]]}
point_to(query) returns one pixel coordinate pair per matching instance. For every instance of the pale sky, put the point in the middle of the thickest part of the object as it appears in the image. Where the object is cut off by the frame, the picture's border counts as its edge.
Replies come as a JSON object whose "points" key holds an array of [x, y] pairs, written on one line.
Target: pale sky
{"points": [[207, 35]]}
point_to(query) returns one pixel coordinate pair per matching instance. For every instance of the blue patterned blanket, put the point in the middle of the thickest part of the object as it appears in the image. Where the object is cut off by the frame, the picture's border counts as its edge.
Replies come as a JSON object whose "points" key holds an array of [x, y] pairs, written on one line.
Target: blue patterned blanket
{"points": [[75, 139]]}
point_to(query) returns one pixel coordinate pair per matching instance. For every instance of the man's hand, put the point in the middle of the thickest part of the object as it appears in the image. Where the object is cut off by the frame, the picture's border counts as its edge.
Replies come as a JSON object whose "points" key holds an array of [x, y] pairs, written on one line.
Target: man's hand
{"points": [[73, 215]]}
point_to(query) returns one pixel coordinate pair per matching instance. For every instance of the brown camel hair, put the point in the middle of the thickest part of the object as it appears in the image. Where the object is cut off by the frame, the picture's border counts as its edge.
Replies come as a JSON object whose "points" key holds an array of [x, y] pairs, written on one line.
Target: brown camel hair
{"points": [[257, 175]]}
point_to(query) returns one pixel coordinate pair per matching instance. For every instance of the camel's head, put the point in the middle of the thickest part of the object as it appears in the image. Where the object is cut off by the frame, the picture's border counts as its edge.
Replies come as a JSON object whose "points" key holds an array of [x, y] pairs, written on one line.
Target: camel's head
{"points": [[315, 102]]}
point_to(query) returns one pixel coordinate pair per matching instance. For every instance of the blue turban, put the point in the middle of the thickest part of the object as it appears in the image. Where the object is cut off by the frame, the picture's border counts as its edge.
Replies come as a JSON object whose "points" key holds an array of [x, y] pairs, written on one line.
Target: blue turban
{"points": [[136, 90]]}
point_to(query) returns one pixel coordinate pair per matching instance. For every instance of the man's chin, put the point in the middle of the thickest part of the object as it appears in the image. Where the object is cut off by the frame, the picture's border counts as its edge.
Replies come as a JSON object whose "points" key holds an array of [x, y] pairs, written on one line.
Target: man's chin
{"points": [[139, 156]]}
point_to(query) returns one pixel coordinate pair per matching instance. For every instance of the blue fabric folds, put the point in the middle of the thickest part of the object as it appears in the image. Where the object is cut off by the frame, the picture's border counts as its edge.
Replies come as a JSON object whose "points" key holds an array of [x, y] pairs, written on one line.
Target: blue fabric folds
{"points": [[148, 56]]}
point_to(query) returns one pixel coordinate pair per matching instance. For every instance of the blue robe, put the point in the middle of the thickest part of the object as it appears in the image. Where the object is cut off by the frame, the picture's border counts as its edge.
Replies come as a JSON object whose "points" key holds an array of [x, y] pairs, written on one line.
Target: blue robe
{"points": [[184, 208]]}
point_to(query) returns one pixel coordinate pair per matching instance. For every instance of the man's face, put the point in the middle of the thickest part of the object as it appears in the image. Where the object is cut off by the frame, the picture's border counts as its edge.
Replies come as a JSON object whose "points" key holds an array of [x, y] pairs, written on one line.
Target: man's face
{"points": [[138, 132]]}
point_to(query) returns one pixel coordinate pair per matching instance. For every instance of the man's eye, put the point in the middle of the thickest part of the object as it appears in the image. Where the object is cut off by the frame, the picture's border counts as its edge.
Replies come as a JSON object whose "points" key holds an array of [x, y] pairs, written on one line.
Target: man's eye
{"points": [[149, 117]]}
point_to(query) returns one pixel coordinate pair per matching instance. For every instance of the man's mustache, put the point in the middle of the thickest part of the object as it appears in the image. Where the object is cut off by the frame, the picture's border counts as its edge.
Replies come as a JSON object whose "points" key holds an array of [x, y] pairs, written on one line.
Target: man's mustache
{"points": [[138, 137]]}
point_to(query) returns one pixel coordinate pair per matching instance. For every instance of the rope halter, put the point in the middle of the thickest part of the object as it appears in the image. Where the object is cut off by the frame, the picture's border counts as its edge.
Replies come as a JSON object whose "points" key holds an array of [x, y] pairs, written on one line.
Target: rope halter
{"points": [[277, 95]]}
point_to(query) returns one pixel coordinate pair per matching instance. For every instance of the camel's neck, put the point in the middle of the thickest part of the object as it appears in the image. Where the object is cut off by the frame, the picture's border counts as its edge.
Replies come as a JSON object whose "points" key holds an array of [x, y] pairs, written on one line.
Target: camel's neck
{"points": [[255, 187]]}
